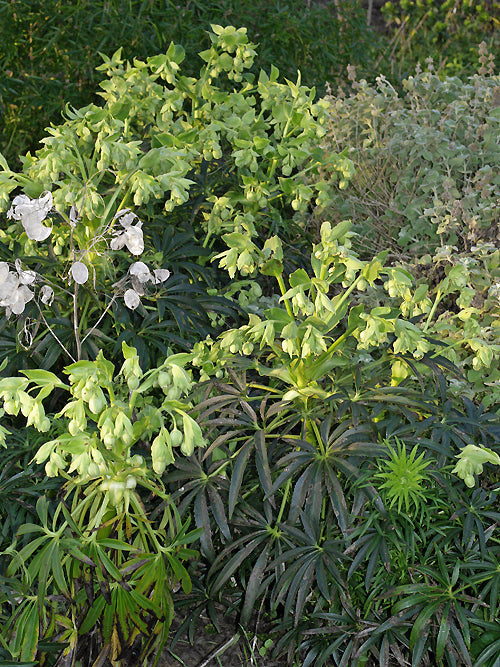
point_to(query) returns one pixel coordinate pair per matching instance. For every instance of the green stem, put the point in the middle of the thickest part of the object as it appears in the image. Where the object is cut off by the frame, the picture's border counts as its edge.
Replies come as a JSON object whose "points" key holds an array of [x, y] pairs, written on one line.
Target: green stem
{"points": [[115, 196], [318, 436], [264, 387], [348, 291], [207, 239], [324, 269], [284, 500], [132, 400], [111, 393], [439, 296], [337, 342], [283, 290], [146, 524], [450, 346]]}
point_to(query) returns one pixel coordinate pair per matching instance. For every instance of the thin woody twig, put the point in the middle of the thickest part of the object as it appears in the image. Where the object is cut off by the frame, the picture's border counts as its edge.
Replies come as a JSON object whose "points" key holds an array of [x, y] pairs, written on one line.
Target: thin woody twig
{"points": [[75, 323], [52, 333], [100, 319], [234, 640]]}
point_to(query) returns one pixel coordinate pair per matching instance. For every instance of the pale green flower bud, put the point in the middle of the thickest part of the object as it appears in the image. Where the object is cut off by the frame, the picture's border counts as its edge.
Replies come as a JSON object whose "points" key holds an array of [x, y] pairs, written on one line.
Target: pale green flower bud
{"points": [[180, 378], [172, 393], [97, 401], [130, 482], [176, 437], [193, 436], [51, 469], [12, 407], [26, 402], [80, 463], [471, 460], [97, 456], [124, 429], [73, 427], [109, 441], [44, 425], [164, 380], [161, 452], [36, 416], [93, 470], [135, 461]]}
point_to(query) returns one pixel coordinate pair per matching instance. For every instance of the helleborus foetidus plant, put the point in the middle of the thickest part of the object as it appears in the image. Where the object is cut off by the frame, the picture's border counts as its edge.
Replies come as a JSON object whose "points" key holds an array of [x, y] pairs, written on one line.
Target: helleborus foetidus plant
{"points": [[233, 148], [111, 441], [226, 152], [321, 331], [106, 415]]}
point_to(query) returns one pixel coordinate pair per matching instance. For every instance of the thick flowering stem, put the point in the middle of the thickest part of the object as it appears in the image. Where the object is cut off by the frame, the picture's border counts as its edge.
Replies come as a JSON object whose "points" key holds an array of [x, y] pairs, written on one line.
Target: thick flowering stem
{"points": [[284, 500], [432, 311], [281, 283]]}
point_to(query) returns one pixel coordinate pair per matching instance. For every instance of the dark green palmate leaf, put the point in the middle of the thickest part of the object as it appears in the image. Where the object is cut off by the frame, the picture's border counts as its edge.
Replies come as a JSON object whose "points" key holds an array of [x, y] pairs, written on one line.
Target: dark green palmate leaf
{"points": [[485, 574], [202, 489], [441, 611], [246, 558], [344, 638], [313, 469], [486, 647], [311, 565]]}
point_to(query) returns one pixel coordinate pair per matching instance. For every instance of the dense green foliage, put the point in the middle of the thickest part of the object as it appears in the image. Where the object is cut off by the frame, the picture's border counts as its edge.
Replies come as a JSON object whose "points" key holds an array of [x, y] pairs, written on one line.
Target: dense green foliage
{"points": [[201, 163], [235, 399], [49, 50]]}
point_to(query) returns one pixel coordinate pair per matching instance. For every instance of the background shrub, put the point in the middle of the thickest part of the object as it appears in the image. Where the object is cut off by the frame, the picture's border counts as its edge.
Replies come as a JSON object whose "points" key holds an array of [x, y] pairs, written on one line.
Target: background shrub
{"points": [[426, 158], [447, 31]]}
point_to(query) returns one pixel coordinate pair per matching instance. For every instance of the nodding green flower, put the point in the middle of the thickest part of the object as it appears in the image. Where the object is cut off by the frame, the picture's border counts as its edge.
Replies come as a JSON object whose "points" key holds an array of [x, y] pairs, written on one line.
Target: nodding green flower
{"points": [[31, 213], [471, 460]]}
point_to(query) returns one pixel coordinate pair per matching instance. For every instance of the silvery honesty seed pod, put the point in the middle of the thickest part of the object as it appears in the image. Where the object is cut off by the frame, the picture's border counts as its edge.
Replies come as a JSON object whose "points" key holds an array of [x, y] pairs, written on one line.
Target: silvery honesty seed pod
{"points": [[31, 213], [131, 236], [79, 272]]}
